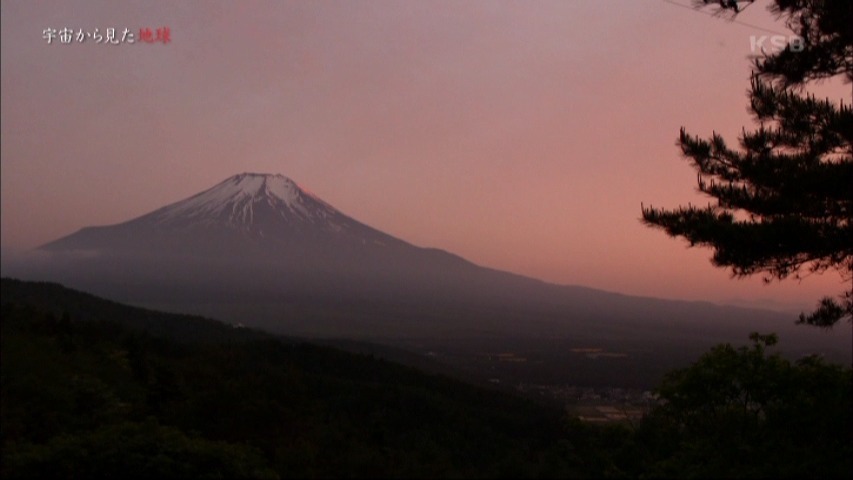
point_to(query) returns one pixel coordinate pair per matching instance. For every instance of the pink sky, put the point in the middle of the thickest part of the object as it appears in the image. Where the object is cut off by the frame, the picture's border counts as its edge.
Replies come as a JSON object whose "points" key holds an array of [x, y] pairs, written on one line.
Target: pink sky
{"points": [[520, 135]]}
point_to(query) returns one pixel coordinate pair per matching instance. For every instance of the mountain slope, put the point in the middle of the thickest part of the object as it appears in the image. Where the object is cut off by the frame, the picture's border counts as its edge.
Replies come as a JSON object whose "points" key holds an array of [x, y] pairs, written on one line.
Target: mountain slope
{"points": [[263, 235], [258, 248], [91, 391]]}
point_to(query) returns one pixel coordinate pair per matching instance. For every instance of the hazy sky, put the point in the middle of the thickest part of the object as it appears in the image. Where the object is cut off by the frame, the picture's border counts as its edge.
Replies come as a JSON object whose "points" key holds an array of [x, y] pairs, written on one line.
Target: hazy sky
{"points": [[522, 135]]}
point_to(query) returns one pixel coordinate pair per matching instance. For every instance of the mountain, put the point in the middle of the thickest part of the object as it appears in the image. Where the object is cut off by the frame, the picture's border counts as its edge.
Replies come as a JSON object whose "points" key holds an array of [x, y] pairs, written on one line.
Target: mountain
{"points": [[261, 237], [245, 214], [260, 249], [255, 233]]}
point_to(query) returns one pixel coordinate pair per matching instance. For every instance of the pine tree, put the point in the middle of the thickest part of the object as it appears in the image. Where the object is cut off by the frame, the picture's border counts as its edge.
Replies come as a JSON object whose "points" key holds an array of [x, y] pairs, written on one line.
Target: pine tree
{"points": [[784, 198]]}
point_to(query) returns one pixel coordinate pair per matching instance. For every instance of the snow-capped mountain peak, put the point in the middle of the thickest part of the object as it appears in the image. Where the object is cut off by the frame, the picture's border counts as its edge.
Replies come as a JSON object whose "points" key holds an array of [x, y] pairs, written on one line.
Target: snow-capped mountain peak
{"points": [[236, 201], [249, 210], [257, 184]]}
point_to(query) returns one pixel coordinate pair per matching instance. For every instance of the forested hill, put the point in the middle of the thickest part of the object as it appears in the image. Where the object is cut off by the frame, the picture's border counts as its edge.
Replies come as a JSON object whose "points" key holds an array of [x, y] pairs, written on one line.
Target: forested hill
{"points": [[58, 300], [92, 388]]}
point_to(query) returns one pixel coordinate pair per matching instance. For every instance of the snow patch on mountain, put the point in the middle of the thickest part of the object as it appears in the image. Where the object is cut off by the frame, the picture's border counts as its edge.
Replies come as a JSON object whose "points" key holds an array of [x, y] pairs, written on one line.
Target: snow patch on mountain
{"points": [[235, 200]]}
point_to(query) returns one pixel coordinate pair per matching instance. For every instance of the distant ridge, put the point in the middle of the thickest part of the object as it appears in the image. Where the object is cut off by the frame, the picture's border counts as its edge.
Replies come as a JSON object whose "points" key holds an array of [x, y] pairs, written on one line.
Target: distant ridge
{"points": [[258, 248], [58, 300]]}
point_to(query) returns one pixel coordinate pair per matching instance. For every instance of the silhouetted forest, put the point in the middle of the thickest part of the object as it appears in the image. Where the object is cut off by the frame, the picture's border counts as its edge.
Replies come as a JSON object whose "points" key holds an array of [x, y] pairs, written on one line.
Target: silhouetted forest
{"points": [[94, 389]]}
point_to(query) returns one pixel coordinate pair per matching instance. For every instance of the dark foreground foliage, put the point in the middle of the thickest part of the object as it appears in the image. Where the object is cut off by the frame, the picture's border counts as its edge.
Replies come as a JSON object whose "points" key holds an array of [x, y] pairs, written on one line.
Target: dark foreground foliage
{"points": [[130, 397], [746, 413], [97, 398]]}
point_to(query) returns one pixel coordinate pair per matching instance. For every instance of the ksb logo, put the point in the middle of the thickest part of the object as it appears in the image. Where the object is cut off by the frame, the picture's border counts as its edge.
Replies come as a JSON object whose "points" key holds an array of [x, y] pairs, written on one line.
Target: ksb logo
{"points": [[777, 43]]}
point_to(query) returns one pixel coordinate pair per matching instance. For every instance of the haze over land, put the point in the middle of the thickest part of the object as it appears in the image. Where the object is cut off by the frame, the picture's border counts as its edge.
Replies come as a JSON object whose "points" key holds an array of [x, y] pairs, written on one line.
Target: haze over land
{"points": [[522, 137], [256, 249]]}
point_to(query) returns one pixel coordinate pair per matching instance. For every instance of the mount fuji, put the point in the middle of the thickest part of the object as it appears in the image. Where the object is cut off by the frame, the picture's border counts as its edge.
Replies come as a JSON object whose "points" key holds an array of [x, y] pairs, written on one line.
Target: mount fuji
{"points": [[245, 214], [261, 250], [256, 235]]}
